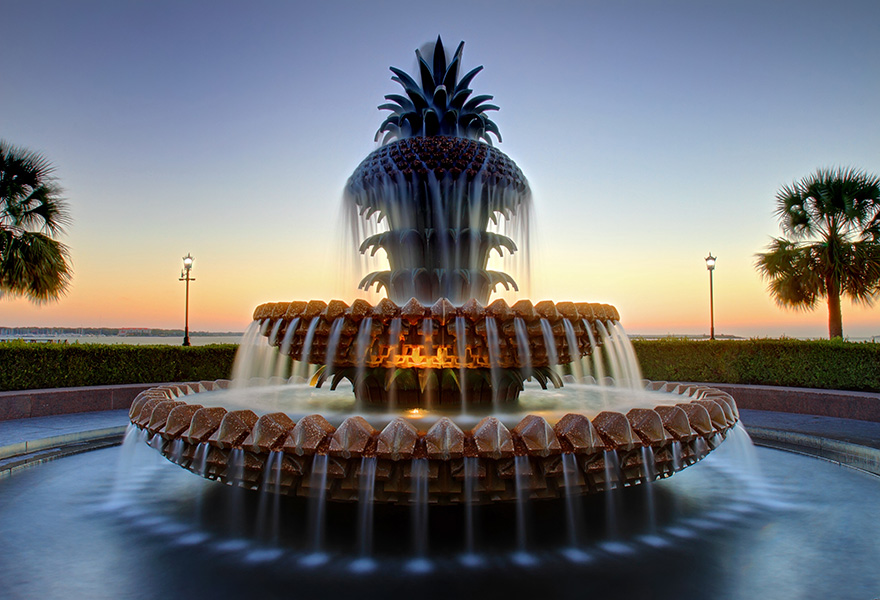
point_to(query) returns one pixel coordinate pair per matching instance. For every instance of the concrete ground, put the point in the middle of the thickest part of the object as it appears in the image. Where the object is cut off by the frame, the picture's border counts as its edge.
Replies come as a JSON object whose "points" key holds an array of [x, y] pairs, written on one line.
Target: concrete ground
{"points": [[845, 441], [27, 441], [23, 431], [862, 433]]}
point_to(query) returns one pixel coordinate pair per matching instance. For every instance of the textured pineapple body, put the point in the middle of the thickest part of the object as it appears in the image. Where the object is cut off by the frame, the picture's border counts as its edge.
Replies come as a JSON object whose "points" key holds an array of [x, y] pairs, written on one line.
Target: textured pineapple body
{"points": [[447, 158], [437, 196]]}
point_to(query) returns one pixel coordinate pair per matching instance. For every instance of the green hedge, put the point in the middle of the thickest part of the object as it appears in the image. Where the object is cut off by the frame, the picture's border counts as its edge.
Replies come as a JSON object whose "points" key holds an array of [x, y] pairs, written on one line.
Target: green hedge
{"points": [[795, 363], [34, 366], [827, 364]]}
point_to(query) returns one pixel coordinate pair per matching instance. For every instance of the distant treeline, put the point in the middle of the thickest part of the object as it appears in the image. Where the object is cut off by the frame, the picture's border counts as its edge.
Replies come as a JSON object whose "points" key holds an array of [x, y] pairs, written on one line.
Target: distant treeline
{"points": [[108, 331]]}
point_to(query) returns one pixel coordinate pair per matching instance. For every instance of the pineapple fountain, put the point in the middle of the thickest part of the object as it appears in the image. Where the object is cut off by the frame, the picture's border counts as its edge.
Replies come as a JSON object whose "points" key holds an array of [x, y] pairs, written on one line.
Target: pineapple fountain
{"points": [[438, 442], [444, 405]]}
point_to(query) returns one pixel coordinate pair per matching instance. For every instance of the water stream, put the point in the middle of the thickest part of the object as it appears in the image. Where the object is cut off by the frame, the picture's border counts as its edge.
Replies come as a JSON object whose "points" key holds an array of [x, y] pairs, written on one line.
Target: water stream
{"points": [[419, 482], [317, 510], [494, 349], [461, 352], [577, 364], [366, 490]]}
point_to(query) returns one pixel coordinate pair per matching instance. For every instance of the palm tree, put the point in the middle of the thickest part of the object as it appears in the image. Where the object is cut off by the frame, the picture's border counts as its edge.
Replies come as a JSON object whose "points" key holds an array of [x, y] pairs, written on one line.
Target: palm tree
{"points": [[831, 224], [32, 263]]}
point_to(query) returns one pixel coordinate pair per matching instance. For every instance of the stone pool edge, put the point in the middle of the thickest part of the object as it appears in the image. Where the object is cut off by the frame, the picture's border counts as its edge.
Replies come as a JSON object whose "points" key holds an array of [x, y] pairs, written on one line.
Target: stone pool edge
{"points": [[849, 454]]}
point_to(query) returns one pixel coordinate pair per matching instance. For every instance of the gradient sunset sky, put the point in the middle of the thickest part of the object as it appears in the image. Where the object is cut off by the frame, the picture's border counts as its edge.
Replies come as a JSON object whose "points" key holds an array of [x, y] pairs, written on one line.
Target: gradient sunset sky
{"points": [[652, 132]]}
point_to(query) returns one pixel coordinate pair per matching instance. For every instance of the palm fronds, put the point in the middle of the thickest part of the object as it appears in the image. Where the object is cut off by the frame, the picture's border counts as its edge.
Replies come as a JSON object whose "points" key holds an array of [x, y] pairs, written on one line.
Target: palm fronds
{"points": [[831, 222], [32, 264]]}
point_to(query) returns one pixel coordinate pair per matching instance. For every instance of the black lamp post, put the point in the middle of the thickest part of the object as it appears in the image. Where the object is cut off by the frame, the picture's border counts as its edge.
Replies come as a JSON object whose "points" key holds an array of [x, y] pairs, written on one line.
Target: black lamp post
{"points": [[710, 265], [184, 276]]}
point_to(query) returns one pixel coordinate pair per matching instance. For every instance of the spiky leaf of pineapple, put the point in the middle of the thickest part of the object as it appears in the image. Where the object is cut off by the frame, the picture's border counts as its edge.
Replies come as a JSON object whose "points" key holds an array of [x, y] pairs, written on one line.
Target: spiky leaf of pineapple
{"points": [[441, 105]]}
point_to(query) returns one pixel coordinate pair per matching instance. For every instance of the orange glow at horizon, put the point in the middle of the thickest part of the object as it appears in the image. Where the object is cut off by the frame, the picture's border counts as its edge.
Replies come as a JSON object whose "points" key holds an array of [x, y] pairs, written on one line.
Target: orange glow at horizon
{"points": [[652, 303]]}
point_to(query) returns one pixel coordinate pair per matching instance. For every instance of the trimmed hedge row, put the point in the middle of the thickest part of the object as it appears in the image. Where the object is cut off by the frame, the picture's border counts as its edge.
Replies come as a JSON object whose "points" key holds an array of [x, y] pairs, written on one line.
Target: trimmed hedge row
{"points": [[795, 363], [35, 366], [825, 364]]}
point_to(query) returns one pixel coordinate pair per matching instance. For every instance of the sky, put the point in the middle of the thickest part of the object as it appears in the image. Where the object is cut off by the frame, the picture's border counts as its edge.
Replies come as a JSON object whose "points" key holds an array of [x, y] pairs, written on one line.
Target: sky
{"points": [[651, 132]]}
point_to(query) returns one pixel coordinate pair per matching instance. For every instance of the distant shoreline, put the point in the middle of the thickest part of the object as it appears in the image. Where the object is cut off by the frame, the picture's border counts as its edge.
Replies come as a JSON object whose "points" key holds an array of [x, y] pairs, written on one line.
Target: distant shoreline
{"points": [[131, 340], [69, 332], [138, 336], [131, 335], [681, 336], [725, 337]]}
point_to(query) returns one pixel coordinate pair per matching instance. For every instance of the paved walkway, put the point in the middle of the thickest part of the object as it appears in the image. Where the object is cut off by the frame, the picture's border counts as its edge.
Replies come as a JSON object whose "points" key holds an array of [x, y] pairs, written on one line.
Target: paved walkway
{"points": [[23, 436], [862, 433], [845, 441]]}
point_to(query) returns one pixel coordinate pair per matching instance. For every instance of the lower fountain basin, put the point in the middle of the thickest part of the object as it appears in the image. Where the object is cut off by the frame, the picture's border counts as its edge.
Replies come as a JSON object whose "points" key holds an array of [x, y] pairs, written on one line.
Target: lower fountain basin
{"points": [[546, 447]]}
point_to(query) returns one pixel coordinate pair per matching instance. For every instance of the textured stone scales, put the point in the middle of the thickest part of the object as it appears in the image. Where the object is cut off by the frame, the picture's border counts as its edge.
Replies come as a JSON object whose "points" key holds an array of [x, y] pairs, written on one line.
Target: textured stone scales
{"points": [[678, 435]]}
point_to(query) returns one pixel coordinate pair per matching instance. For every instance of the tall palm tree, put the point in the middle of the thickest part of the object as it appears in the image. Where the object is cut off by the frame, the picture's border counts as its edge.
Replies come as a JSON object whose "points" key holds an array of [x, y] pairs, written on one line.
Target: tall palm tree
{"points": [[32, 263], [831, 244]]}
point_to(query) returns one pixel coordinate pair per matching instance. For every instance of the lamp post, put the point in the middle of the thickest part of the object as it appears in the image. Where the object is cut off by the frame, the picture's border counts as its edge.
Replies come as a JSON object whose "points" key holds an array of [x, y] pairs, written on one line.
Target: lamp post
{"points": [[710, 265], [184, 276]]}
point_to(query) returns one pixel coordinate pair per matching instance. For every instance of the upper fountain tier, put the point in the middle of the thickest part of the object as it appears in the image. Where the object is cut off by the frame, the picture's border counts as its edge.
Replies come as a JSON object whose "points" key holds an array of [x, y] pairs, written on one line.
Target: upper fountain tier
{"points": [[390, 349], [436, 188]]}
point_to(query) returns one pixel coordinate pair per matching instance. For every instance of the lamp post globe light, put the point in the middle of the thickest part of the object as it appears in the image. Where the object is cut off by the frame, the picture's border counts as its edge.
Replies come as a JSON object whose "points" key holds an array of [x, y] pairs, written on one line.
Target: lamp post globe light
{"points": [[185, 276], [710, 265]]}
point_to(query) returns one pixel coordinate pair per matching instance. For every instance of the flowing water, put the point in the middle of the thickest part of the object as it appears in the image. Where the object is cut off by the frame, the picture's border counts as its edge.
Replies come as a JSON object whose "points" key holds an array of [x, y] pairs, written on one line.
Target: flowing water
{"points": [[549, 342], [302, 373], [362, 345], [419, 482], [461, 352], [317, 509], [798, 528], [611, 498], [573, 515], [494, 348], [367, 484], [522, 469], [648, 486], [577, 366], [522, 344], [258, 363], [394, 333], [471, 465], [333, 342], [177, 450], [236, 500], [268, 517], [374, 217]]}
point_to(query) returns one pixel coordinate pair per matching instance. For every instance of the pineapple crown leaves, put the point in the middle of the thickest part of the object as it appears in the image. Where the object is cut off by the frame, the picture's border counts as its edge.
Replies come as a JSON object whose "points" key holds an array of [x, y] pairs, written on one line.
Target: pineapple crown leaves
{"points": [[441, 105]]}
